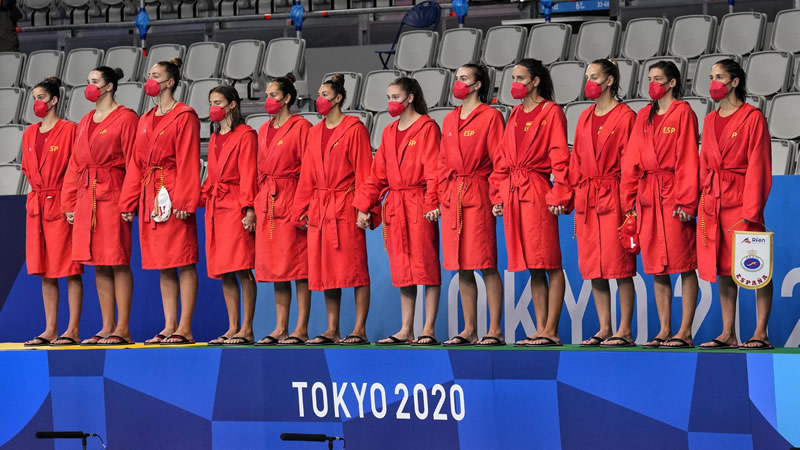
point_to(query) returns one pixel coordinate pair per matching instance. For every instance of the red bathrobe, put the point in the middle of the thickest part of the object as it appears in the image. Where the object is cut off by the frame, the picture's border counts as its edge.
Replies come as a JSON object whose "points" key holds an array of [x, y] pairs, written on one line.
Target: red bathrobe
{"points": [[281, 247], [594, 174], [92, 188], [735, 177], [227, 193], [168, 152], [523, 179], [329, 177], [48, 235], [405, 175], [469, 151], [659, 175]]}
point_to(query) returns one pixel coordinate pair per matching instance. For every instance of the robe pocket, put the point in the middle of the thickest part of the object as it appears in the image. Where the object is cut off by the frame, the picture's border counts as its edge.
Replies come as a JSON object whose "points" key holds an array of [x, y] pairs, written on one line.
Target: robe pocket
{"points": [[646, 194], [472, 195], [284, 200], [313, 213], [607, 199], [228, 201], [731, 191], [32, 204], [51, 208], [345, 211], [108, 186], [580, 200]]}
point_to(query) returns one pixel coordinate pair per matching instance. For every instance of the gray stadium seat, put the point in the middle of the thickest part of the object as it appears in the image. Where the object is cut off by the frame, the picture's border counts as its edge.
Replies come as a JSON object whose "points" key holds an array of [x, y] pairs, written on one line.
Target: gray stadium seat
{"points": [[569, 77], [435, 84], [12, 99], [628, 77], [597, 39], [382, 120], [702, 106], [453, 101], [256, 120], [769, 72], [757, 101], [114, 10], [504, 110], [645, 38], [11, 65], [504, 91], [10, 179], [77, 106], [79, 62], [459, 46], [503, 46], [285, 55], [179, 93], [573, 112], [784, 156], [364, 116], [131, 94], [785, 32], [373, 94], [203, 60], [644, 84], [197, 96], [352, 85], [784, 115], [438, 114], [42, 64], [548, 42], [78, 10], [312, 117], [637, 104], [242, 64], [203, 171], [126, 58], [741, 33], [161, 52], [416, 50], [701, 80], [692, 36], [11, 137], [26, 114]]}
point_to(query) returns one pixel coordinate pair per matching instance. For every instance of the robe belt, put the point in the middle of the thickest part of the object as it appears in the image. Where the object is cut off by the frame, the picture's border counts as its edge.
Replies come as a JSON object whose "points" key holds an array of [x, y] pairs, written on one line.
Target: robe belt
{"points": [[658, 202], [592, 183], [37, 194], [711, 186], [149, 178], [463, 180], [271, 185], [88, 177], [327, 208], [402, 220]]}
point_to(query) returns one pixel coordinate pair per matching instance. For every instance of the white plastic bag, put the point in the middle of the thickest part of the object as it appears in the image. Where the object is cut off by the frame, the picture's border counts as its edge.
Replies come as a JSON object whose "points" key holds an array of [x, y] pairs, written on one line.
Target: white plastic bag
{"points": [[163, 206]]}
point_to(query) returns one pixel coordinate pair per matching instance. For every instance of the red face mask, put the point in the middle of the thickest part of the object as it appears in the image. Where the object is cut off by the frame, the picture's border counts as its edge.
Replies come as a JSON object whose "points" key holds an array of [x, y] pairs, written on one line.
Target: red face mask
{"points": [[519, 90], [323, 105], [216, 113], [718, 90], [396, 108], [40, 108], [461, 90], [657, 90], [272, 106], [92, 93], [593, 90], [152, 87]]}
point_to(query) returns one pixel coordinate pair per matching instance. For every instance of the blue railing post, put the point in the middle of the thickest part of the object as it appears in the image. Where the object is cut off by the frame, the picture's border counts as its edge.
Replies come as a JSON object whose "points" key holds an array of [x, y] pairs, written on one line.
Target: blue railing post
{"points": [[460, 7], [547, 6], [143, 24], [297, 14]]}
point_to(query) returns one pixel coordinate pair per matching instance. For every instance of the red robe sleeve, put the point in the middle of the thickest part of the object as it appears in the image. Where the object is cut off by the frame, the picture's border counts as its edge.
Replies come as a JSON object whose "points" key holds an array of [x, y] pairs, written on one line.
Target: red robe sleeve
{"points": [[248, 171], [361, 158], [560, 193], [430, 166], [758, 177], [494, 140], [367, 195], [131, 186], [687, 165], [187, 160], [632, 165], [70, 187]]}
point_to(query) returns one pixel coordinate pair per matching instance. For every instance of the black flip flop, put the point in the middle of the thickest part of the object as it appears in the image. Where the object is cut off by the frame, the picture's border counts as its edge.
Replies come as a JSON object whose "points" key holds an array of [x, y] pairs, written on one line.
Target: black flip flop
{"points": [[622, 342], [547, 342], [494, 341], [294, 341], [183, 340], [64, 338], [393, 341], [459, 342], [161, 337], [222, 339], [718, 345], [38, 342], [658, 343], [119, 340], [94, 339], [593, 339], [359, 340], [266, 341], [761, 345], [681, 343], [323, 340], [431, 341], [239, 341]]}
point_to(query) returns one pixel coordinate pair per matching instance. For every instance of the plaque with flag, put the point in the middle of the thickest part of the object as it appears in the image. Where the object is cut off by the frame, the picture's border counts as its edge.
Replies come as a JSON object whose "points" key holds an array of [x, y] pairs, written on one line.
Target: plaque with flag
{"points": [[752, 258]]}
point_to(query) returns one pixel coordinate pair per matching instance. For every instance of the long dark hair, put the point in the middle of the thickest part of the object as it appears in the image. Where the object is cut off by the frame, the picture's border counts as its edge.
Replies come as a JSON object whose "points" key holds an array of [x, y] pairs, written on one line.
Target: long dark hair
{"points": [[231, 95], [735, 71], [672, 73], [50, 85], [610, 69], [480, 73], [173, 69], [110, 75], [337, 84], [537, 69], [286, 86], [411, 87]]}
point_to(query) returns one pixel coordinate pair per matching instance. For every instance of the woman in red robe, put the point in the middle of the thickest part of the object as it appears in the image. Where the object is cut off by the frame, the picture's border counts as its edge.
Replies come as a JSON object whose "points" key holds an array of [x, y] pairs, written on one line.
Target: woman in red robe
{"points": [[163, 184], [471, 136], [281, 247], [534, 150], [404, 174], [103, 146], [47, 146], [228, 195], [336, 163], [594, 173], [659, 186], [735, 177]]}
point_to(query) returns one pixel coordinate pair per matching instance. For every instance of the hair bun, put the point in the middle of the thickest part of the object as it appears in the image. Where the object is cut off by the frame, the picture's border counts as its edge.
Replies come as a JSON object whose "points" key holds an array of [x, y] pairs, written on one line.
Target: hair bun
{"points": [[177, 61], [290, 76], [338, 79], [118, 73], [53, 80]]}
